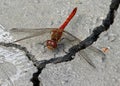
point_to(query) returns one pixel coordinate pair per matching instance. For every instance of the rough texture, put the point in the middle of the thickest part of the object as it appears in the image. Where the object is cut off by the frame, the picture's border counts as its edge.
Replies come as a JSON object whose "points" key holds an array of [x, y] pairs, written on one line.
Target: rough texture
{"points": [[15, 68], [44, 13]]}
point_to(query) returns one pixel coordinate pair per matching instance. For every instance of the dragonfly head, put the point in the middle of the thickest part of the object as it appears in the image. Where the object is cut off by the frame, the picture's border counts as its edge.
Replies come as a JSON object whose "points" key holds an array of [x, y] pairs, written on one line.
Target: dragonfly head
{"points": [[51, 44]]}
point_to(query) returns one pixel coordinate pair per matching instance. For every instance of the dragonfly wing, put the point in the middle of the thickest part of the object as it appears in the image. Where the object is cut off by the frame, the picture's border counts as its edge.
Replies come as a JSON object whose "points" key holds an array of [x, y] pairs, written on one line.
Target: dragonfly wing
{"points": [[77, 39], [43, 30], [91, 48], [97, 51], [32, 32], [27, 37], [86, 57]]}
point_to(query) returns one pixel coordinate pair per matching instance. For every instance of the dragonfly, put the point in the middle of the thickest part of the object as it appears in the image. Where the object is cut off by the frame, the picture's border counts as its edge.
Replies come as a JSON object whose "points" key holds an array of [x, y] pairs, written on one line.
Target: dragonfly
{"points": [[56, 32], [56, 37]]}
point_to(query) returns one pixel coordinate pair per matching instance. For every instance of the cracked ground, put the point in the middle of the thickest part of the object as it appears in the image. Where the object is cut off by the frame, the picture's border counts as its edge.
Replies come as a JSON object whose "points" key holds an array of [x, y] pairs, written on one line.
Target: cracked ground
{"points": [[44, 13]]}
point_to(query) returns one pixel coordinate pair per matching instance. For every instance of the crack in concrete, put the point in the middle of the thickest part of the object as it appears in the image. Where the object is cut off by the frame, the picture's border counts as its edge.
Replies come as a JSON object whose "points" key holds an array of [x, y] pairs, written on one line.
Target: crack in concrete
{"points": [[74, 49], [31, 57], [35, 80]]}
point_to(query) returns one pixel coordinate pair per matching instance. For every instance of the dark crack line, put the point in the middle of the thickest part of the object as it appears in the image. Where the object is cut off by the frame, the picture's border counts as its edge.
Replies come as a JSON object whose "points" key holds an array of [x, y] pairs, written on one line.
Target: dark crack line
{"points": [[27, 53], [35, 80], [74, 49], [88, 41], [31, 57]]}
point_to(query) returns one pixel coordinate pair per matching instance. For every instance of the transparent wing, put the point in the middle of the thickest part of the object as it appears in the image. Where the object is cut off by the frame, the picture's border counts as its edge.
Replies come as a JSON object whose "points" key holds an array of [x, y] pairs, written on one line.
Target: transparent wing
{"points": [[34, 39], [40, 31], [86, 57], [94, 49], [31, 29], [90, 50], [32, 32]]}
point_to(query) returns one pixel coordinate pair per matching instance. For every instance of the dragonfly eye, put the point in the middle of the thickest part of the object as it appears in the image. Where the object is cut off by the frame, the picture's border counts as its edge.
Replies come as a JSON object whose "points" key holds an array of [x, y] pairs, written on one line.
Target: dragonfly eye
{"points": [[51, 44]]}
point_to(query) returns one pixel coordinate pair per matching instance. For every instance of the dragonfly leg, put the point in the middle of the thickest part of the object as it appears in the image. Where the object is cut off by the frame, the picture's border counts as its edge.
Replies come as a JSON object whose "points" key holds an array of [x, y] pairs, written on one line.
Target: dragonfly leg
{"points": [[56, 52], [54, 55], [43, 43], [44, 46], [45, 50], [63, 47], [90, 31], [66, 39]]}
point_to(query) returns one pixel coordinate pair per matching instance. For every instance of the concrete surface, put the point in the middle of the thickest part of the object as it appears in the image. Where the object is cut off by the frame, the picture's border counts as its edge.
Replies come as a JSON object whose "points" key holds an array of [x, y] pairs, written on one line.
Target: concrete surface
{"points": [[15, 67], [51, 13]]}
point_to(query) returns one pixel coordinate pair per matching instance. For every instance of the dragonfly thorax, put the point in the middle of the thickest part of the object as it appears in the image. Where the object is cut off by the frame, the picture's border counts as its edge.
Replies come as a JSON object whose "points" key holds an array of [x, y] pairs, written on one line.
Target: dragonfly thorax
{"points": [[56, 35]]}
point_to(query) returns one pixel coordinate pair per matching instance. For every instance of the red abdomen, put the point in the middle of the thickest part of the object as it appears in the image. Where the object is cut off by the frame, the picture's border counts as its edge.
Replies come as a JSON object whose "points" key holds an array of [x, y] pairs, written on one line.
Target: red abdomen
{"points": [[68, 19]]}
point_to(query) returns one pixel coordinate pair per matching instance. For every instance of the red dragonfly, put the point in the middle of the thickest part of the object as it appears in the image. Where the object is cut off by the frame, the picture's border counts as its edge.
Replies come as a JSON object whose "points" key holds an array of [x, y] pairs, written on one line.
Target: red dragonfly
{"points": [[56, 37], [56, 33]]}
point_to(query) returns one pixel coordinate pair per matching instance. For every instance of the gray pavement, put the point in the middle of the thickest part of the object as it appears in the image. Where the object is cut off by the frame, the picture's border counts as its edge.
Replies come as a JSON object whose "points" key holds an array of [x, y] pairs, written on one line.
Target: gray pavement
{"points": [[51, 13]]}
